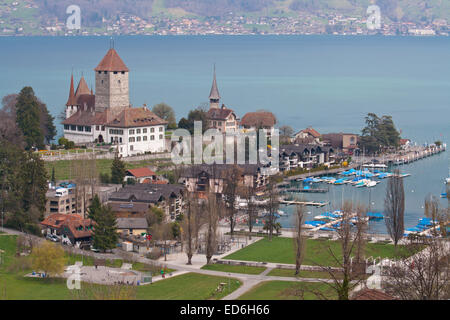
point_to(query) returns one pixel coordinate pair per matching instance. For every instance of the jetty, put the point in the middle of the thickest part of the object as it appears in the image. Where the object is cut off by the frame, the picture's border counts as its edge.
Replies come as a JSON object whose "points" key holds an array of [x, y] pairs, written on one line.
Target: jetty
{"points": [[305, 203]]}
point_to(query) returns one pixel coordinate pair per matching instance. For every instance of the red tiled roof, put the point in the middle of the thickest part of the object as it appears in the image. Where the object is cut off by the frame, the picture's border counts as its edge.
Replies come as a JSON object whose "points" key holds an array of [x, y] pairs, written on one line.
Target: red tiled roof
{"points": [[136, 117], [82, 88], [372, 294], [57, 219], [257, 119], [71, 101], [312, 132], [87, 117], [141, 172], [219, 114], [111, 62], [70, 221]]}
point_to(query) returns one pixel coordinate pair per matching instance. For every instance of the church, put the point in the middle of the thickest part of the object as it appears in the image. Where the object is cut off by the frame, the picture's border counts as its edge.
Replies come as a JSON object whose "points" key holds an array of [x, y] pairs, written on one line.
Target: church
{"points": [[108, 117]]}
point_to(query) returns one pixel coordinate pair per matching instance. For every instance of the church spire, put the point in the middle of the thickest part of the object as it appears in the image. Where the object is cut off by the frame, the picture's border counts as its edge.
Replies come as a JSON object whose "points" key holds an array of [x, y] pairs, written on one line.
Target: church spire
{"points": [[71, 101], [214, 95]]}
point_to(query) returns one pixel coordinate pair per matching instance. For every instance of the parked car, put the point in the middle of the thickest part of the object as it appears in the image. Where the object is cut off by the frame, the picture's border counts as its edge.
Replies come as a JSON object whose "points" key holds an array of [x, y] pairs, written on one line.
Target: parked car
{"points": [[53, 237]]}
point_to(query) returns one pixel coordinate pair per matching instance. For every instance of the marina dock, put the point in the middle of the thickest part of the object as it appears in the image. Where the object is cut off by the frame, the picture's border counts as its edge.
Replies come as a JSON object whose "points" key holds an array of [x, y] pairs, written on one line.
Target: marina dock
{"points": [[304, 203]]}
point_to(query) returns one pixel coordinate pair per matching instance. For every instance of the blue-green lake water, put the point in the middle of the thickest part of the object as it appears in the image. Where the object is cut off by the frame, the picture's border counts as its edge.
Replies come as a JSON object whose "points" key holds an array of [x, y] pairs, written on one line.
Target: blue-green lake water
{"points": [[328, 82]]}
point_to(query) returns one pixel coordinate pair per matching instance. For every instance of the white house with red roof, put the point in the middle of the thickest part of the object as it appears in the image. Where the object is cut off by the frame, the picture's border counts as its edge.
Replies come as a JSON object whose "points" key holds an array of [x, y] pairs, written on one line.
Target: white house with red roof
{"points": [[108, 117]]}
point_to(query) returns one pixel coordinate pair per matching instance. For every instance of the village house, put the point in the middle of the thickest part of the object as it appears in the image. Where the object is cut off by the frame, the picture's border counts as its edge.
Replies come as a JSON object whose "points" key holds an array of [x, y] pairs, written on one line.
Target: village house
{"points": [[140, 175], [304, 156], [307, 136], [168, 197], [107, 116], [259, 120], [72, 229], [345, 142], [132, 226], [220, 118], [212, 178]]}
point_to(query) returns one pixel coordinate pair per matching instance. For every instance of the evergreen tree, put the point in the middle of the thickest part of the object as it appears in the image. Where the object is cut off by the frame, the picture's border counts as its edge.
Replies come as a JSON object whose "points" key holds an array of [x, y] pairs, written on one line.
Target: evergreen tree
{"points": [[105, 235], [35, 185], [28, 116], [53, 175], [46, 120], [117, 171], [94, 208]]}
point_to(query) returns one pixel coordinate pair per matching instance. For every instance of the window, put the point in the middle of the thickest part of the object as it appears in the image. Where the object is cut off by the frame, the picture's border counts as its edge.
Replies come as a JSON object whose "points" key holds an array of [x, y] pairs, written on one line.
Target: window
{"points": [[138, 131], [131, 131], [131, 139], [97, 128], [103, 128], [160, 136], [87, 129], [115, 72], [138, 139], [131, 148], [102, 81], [73, 128], [120, 139], [99, 72], [152, 137], [144, 138], [219, 123], [105, 72], [160, 129], [123, 72], [66, 127], [80, 128], [144, 130], [152, 129]]}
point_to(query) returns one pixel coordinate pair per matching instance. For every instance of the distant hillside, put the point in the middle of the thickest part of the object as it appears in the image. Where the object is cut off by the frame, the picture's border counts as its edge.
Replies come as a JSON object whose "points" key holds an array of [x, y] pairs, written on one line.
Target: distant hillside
{"points": [[411, 10]]}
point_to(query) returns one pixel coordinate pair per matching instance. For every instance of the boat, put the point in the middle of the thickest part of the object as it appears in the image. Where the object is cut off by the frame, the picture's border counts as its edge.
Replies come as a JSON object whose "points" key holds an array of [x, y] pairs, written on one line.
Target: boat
{"points": [[443, 195], [371, 184], [374, 215]]}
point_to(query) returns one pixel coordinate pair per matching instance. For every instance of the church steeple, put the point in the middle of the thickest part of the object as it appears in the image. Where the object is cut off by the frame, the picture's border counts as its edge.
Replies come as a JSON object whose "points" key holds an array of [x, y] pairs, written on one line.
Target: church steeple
{"points": [[214, 96], [71, 101]]}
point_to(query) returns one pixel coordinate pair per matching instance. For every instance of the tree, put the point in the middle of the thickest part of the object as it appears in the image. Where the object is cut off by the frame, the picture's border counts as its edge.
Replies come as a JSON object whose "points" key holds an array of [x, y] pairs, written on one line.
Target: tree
{"points": [[49, 258], [379, 134], [350, 238], [198, 114], [286, 133], [191, 224], [252, 209], [9, 130], [233, 177], [299, 239], [394, 207], [95, 208], [118, 171], [423, 276], [272, 205], [438, 215], [53, 178], [165, 112], [105, 229], [28, 116], [213, 208], [48, 128]]}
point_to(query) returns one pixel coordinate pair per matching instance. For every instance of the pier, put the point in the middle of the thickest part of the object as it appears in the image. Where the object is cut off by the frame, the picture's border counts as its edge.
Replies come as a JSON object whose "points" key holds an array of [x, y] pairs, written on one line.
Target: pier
{"points": [[304, 203]]}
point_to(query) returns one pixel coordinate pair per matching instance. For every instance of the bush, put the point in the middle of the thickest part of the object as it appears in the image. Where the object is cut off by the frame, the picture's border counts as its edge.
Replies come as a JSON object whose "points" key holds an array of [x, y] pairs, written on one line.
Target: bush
{"points": [[105, 178], [155, 254]]}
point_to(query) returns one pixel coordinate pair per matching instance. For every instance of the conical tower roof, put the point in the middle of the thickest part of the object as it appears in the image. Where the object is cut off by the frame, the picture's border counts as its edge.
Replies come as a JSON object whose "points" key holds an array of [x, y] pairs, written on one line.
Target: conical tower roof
{"points": [[71, 101], [82, 88], [214, 94], [111, 62]]}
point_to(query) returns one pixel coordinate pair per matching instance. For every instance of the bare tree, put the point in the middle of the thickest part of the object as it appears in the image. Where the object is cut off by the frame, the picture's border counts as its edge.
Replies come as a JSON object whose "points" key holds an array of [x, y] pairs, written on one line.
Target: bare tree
{"points": [[190, 224], [299, 239], [439, 215], [423, 276], [272, 205], [213, 207], [394, 207], [350, 237], [233, 177], [252, 209]]}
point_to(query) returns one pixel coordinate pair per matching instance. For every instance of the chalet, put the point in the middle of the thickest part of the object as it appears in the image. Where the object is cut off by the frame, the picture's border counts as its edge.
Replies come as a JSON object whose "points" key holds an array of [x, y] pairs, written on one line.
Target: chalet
{"points": [[73, 229], [168, 197], [140, 175], [132, 226], [307, 136], [204, 177], [259, 120], [304, 156]]}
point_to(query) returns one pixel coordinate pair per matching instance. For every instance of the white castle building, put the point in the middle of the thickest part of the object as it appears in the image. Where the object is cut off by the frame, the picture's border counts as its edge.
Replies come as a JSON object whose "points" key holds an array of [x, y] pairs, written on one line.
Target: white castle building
{"points": [[107, 115]]}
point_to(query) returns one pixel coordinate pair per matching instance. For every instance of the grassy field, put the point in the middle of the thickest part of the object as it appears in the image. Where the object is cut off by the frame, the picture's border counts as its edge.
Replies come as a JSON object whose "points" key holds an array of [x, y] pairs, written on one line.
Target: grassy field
{"points": [[233, 269], [281, 250], [286, 290], [13, 284], [303, 274], [63, 168]]}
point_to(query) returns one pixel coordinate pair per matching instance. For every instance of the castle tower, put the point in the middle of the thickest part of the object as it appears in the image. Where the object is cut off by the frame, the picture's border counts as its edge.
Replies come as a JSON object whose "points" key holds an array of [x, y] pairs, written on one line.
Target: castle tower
{"points": [[111, 83], [214, 96], [71, 105]]}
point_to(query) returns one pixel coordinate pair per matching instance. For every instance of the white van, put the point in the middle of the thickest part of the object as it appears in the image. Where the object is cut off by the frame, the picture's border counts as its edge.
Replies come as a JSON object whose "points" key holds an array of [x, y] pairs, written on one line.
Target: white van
{"points": [[62, 192]]}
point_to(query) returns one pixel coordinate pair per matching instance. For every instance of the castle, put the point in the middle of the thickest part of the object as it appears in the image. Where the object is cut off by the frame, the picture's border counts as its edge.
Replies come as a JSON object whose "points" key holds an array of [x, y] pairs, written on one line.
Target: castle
{"points": [[108, 117]]}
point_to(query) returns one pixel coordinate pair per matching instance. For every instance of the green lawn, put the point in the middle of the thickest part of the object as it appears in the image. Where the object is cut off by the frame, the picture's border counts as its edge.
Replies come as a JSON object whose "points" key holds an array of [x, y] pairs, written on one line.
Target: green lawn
{"points": [[63, 169], [286, 290], [303, 274], [281, 250], [234, 269], [189, 286], [13, 284]]}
